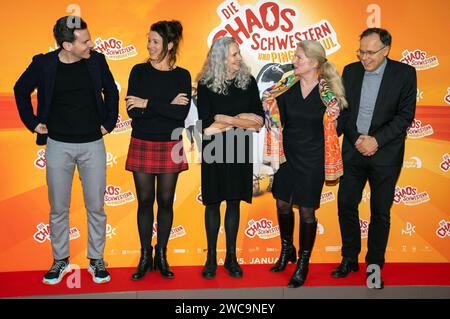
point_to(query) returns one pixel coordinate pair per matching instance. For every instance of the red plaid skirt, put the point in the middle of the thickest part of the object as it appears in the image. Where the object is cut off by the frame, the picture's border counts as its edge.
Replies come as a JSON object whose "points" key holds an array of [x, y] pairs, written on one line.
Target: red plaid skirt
{"points": [[155, 157]]}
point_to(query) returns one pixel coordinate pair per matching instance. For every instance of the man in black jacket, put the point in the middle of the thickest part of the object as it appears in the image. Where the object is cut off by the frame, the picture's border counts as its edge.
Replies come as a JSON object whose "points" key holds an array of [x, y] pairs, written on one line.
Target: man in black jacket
{"points": [[77, 104], [382, 100]]}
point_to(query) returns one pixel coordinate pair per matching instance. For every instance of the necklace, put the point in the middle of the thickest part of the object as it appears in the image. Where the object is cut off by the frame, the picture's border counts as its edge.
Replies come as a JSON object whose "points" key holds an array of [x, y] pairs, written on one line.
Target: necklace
{"points": [[312, 84], [161, 67]]}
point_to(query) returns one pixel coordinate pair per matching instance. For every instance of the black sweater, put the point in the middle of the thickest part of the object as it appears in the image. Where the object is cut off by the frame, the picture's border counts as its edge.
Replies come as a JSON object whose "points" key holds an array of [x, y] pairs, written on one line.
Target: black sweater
{"points": [[157, 121], [73, 114]]}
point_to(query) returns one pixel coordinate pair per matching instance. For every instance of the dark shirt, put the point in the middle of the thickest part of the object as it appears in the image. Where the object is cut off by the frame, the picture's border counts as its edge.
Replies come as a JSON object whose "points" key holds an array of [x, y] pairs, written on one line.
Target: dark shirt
{"points": [[237, 101], [160, 118], [73, 114]]}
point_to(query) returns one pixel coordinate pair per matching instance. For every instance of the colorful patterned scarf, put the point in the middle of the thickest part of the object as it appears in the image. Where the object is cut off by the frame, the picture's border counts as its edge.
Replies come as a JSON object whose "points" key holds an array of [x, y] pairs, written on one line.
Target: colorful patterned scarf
{"points": [[273, 146]]}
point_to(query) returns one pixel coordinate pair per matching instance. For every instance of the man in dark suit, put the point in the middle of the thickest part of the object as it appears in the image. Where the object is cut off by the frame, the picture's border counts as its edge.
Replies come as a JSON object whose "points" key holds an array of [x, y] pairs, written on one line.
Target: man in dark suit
{"points": [[77, 104], [382, 100]]}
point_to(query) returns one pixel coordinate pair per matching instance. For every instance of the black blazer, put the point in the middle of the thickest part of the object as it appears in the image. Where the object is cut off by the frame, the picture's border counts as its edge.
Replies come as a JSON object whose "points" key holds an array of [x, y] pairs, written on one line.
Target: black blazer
{"points": [[41, 74], [394, 111]]}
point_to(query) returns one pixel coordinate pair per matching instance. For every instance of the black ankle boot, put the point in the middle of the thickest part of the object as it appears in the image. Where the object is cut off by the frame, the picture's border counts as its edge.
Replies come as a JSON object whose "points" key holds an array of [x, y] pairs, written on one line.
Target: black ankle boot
{"points": [[231, 264], [307, 238], [161, 262], [145, 264], [209, 270], [301, 271], [288, 253]]}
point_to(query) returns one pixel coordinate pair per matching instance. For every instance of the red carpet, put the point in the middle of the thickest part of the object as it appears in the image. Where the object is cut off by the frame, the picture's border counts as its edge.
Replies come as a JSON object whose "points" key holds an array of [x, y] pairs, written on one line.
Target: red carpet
{"points": [[14, 284]]}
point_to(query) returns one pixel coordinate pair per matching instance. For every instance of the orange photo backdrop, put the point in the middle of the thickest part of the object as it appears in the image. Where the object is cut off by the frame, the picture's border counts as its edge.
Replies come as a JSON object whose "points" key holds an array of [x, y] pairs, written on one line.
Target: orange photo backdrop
{"points": [[268, 31]]}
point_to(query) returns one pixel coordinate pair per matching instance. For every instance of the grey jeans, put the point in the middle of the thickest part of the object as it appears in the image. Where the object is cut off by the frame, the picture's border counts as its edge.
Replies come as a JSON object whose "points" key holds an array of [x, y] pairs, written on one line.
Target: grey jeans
{"points": [[90, 159]]}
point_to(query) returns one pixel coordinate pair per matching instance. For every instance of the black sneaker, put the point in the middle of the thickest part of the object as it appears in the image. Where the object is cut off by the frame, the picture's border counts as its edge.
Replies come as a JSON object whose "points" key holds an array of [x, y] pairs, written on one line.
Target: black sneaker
{"points": [[59, 269], [98, 271]]}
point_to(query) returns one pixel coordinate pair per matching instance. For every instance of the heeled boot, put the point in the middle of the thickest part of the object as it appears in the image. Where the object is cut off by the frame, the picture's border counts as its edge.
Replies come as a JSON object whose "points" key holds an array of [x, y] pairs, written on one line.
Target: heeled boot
{"points": [[209, 270], [161, 262], [307, 238], [288, 253], [145, 263], [231, 264]]}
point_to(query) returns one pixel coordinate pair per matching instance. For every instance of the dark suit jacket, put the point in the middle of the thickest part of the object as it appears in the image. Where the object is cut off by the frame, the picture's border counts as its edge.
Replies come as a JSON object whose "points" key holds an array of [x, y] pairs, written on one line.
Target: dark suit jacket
{"points": [[394, 111], [41, 74]]}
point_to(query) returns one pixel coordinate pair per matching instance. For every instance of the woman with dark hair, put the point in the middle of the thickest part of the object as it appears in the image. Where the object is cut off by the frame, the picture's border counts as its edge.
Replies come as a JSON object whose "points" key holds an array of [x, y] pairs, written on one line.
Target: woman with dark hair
{"points": [[228, 102], [158, 100]]}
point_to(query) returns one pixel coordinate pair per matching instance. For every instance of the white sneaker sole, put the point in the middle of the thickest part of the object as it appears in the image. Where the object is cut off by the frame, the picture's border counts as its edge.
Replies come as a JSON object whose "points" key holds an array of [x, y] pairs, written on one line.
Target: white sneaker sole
{"points": [[97, 280], [59, 279]]}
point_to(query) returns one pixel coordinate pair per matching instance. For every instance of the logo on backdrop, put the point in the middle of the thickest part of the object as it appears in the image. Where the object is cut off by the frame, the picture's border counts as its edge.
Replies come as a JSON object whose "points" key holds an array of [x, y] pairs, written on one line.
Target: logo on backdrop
{"points": [[443, 229], [445, 164], [122, 126], [327, 197], [410, 196], [110, 231], [365, 195], [115, 197], [419, 95], [114, 48], [175, 232], [418, 130], [111, 159], [409, 229], [447, 96], [412, 162], [268, 30], [419, 60], [43, 233], [198, 198], [40, 162], [364, 226], [262, 228]]}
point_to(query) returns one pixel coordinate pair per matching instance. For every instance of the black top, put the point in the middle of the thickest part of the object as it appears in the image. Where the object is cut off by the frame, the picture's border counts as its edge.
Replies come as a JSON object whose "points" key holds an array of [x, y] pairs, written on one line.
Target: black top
{"points": [[223, 179], [41, 75], [300, 179], [160, 118], [73, 114]]}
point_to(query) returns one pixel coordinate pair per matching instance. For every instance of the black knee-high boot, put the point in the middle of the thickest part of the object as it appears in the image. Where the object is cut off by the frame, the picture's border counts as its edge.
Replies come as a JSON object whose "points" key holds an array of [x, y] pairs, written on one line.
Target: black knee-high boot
{"points": [[161, 262], [288, 253], [145, 263], [307, 237]]}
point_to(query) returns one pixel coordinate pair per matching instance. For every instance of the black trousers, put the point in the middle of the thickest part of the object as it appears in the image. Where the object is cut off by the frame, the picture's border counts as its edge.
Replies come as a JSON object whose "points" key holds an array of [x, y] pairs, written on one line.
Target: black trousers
{"points": [[382, 181]]}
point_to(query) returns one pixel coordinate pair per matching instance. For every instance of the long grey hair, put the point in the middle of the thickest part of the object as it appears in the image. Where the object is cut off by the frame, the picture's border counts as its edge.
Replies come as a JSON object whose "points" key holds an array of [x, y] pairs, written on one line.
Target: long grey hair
{"points": [[214, 73]]}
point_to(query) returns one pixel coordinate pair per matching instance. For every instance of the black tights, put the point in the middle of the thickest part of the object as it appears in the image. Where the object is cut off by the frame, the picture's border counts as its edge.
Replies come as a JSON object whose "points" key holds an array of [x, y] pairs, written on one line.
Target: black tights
{"points": [[145, 190], [307, 214], [212, 224]]}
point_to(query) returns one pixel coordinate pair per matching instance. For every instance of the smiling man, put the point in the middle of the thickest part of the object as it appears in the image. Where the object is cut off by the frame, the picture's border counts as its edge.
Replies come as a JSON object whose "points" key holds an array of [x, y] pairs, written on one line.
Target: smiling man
{"points": [[382, 100], [77, 104]]}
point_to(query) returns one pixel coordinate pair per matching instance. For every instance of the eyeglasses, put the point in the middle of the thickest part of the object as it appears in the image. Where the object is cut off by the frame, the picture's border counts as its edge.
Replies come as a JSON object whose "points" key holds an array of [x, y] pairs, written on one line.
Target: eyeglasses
{"points": [[368, 53]]}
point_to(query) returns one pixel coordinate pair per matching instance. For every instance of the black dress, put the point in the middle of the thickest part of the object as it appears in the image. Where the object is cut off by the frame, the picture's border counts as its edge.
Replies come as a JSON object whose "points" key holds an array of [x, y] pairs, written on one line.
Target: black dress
{"points": [[301, 177], [227, 170]]}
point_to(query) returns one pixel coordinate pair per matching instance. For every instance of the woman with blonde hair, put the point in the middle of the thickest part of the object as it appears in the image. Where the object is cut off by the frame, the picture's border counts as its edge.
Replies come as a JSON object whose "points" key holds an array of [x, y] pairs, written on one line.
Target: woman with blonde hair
{"points": [[306, 102]]}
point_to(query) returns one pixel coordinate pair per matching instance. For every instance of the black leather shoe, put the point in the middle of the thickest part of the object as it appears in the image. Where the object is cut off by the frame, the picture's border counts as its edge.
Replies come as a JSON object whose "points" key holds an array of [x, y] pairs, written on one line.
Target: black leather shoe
{"points": [[346, 266], [209, 270], [161, 262], [288, 254], [298, 278], [145, 264], [231, 264]]}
